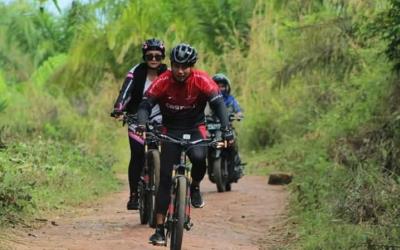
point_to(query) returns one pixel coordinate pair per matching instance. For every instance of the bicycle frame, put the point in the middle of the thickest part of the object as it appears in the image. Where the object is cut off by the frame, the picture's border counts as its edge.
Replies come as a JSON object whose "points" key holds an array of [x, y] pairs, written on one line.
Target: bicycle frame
{"points": [[181, 170], [149, 142], [181, 174], [149, 176]]}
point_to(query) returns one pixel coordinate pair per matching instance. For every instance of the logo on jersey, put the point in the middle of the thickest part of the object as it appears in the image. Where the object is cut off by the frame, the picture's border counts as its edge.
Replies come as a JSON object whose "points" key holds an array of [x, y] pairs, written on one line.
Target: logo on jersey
{"points": [[180, 107]]}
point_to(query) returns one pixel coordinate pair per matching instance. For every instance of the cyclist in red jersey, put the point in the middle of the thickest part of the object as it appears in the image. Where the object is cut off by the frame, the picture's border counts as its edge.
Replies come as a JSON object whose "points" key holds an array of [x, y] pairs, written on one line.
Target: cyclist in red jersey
{"points": [[182, 94]]}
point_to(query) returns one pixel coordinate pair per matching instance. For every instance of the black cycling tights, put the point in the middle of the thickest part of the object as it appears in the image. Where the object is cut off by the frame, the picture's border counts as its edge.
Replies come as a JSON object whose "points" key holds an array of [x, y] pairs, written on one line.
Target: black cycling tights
{"points": [[170, 155], [135, 164]]}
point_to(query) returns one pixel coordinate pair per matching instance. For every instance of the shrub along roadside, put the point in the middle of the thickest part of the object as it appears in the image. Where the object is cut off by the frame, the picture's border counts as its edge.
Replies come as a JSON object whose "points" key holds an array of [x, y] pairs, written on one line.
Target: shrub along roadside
{"points": [[338, 201], [42, 175]]}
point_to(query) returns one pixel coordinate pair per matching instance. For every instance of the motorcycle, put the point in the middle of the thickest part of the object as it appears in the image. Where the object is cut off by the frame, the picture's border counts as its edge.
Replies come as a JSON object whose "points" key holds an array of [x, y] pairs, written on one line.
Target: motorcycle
{"points": [[223, 164]]}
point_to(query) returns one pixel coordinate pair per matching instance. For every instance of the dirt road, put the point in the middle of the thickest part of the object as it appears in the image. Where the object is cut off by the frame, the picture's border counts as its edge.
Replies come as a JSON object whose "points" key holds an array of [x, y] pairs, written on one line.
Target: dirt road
{"points": [[248, 217]]}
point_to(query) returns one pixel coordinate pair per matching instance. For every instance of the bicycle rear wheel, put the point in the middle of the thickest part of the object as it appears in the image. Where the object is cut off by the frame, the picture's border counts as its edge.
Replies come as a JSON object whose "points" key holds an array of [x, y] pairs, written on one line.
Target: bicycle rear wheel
{"points": [[179, 213], [153, 160]]}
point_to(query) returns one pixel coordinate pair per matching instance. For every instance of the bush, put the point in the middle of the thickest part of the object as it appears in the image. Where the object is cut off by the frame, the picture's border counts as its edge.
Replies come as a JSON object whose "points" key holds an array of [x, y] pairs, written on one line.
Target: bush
{"points": [[44, 174]]}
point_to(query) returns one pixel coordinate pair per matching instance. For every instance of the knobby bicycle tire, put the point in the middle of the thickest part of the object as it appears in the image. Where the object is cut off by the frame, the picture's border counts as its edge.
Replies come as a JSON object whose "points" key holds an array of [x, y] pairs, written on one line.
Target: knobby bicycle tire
{"points": [[179, 213], [153, 159], [143, 203]]}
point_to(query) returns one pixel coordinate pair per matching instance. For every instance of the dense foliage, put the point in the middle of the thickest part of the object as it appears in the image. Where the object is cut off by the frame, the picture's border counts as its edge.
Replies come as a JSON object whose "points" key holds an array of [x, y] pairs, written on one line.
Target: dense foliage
{"points": [[318, 81]]}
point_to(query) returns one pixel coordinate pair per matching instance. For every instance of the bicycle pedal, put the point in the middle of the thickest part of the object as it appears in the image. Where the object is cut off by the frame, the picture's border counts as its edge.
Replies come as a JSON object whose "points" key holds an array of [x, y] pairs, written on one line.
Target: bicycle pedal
{"points": [[158, 244]]}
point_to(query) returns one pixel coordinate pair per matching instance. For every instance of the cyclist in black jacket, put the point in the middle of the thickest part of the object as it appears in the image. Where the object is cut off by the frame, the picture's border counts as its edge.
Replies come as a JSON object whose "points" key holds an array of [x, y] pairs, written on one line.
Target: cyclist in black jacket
{"points": [[137, 81]]}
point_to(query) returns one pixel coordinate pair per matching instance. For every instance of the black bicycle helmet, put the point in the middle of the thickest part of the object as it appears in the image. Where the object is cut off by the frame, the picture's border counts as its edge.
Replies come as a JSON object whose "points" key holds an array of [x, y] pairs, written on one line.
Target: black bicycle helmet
{"points": [[153, 44], [184, 54], [223, 79]]}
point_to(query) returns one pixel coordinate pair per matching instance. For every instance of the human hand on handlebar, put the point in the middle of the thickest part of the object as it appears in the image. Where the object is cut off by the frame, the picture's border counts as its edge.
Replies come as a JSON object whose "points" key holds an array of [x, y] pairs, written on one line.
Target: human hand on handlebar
{"points": [[119, 115], [228, 136], [239, 115], [140, 130], [236, 116]]}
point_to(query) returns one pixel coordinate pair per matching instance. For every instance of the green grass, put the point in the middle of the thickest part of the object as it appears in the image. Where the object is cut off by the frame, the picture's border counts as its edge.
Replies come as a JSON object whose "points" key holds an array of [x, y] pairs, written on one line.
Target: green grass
{"points": [[44, 175], [334, 206], [123, 153]]}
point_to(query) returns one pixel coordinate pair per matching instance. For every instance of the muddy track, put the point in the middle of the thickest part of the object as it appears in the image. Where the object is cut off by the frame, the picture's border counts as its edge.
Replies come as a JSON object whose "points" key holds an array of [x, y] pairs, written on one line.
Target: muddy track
{"points": [[248, 217]]}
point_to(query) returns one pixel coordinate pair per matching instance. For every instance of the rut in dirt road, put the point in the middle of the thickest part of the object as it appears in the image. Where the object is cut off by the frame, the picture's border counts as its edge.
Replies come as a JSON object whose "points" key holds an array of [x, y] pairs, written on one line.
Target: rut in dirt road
{"points": [[240, 219]]}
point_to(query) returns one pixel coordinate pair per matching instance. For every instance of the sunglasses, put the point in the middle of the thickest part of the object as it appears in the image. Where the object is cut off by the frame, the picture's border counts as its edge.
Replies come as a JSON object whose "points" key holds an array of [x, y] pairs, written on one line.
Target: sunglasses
{"points": [[150, 57]]}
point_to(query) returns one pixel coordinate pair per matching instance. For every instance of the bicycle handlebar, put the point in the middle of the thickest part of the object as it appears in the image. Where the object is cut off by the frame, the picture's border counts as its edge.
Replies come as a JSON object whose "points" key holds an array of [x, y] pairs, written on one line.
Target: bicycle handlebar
{"points": [[187, 143], [232, 117], [132, 119], [153, 133]]}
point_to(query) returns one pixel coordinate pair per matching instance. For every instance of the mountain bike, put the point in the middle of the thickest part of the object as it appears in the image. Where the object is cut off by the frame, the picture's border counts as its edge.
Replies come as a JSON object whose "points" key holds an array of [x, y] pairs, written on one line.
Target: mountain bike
{"points": [[149, 179], [150, 175], [220, 166], [178, 213]]}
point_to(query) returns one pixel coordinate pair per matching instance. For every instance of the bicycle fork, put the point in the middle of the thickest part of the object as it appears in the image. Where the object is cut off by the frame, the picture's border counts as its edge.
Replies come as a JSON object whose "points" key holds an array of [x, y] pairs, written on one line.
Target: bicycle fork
{"points": [[188, 224], [171, 207]]}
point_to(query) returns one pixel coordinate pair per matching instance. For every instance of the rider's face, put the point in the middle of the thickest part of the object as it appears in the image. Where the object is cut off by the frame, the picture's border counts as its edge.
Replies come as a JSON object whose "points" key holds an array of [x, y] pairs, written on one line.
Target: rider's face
{"points": [[180, 71], [222, 87], [153, 58]]}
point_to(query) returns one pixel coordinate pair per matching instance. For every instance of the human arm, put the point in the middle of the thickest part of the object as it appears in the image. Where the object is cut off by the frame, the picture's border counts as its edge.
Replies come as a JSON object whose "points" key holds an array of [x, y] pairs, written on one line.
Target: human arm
{"points": [[144, 110], [218, 106], [235, 112], [124, 94], [150, 98], [236, 106]]}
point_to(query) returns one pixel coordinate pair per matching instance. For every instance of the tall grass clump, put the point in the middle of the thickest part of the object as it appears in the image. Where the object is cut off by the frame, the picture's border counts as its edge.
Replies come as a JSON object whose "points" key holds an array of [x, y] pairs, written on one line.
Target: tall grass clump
{"points": [[332, 97]]}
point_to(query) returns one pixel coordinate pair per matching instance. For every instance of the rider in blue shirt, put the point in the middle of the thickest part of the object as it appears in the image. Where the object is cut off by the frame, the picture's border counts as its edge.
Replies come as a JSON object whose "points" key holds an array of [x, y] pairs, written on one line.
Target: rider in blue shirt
{"points": [[234, 109], [224, 85]]}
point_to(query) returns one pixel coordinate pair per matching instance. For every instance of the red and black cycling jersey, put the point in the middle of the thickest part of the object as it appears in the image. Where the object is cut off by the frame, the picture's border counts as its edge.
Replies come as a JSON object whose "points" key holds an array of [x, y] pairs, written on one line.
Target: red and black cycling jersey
{"points": [[182, 104]]}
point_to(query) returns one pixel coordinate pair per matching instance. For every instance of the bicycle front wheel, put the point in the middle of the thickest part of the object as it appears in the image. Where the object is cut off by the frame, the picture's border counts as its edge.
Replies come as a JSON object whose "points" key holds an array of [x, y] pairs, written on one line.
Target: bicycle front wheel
{"points": [[143, 203], [179, 213], [153, 160]]}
